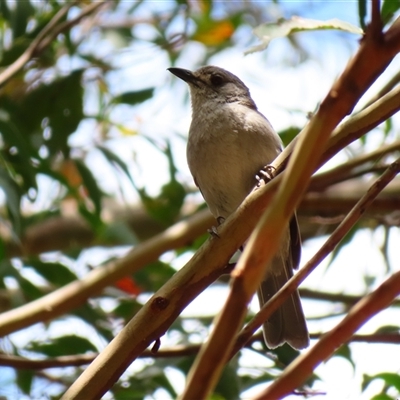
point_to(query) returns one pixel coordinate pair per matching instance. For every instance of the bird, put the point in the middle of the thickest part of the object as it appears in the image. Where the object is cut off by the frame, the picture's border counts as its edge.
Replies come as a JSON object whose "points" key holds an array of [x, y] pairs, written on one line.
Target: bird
{"points": [[229, 143]]}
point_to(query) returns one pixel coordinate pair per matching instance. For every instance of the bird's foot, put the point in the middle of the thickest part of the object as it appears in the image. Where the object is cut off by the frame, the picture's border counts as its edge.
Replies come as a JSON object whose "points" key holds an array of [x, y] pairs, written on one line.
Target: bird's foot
{"points": [[265, 174], [213, 230], [220, 220]]}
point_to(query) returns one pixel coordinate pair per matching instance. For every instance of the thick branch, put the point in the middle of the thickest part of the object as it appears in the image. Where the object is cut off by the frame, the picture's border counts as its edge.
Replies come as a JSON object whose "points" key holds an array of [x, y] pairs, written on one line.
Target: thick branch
{"points": [[340, 232], [77, 292], [62, 233], [370, 61], [298, 371]]}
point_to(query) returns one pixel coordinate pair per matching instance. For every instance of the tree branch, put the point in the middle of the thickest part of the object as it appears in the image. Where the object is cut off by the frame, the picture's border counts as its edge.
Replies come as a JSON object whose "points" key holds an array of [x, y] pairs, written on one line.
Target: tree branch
{"points": [[250, 270], [60, 233], [45, 37], [347, 299], [18, 362], [76, 293], [290, 286], [302, 367], [342, 172]]}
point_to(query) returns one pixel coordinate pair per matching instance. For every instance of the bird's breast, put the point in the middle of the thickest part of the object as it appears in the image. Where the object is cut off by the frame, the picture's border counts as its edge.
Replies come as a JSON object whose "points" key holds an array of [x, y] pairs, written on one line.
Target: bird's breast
{"points": [[224, 153]]}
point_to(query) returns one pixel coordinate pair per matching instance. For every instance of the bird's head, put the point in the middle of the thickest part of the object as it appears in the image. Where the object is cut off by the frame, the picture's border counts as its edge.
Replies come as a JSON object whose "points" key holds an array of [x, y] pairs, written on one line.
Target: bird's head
{"points": [[214, 84]]}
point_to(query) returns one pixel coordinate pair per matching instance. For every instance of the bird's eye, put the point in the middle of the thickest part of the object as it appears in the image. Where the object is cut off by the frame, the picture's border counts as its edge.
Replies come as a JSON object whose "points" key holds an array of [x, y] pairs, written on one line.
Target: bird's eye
{"points": [[216, 80]]}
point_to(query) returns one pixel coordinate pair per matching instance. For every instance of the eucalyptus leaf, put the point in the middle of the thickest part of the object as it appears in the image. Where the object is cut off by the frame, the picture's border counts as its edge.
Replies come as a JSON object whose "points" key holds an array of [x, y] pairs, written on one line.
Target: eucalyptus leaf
{"points": [[286, 27]]}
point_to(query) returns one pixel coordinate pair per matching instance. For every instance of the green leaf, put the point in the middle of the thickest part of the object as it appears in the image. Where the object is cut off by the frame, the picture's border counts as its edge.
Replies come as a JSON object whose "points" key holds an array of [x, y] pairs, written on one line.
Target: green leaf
{"points": [[388, 329], [113, 159], [390, 379], [9, 55], [30, 291], [144, 384], [288, 134], [18, 161], [154, 377], [154, 276], [95, 317], [63, 346], [60, 103], [387, 126], [126, 308], [24, 380], [119, 232], [4, 10], [228, 385], [13, 199], [56, 273], [345, 352], [382, 396], [389, 8], [249, 381], [95, 193], [20, 17], [133, 98], [283, 28], [167, 205], [345, 240], [362, 12], [286, 354]]}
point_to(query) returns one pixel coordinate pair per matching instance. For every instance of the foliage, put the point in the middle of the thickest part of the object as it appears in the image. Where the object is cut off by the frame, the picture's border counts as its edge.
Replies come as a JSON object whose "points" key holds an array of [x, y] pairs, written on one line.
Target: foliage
{"points": [[73, 145]]}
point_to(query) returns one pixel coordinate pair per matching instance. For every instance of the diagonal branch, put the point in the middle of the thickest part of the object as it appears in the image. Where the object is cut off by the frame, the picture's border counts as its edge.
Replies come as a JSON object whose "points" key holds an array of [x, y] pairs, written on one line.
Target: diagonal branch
{"points": [[339, 233], [45, 37], [342, 172], [250, 270], [153, 320], [77, 292], [55, 233], [303, 366]]}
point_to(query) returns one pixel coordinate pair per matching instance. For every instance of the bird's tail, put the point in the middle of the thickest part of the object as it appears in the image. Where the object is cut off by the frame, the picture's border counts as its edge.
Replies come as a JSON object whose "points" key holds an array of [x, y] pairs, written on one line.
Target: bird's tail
{"points": [[287, 324]]}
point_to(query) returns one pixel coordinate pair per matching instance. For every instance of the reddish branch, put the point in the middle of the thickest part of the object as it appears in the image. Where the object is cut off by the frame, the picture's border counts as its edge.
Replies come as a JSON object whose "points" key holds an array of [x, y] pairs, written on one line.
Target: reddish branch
{"points": [[371, 60]]}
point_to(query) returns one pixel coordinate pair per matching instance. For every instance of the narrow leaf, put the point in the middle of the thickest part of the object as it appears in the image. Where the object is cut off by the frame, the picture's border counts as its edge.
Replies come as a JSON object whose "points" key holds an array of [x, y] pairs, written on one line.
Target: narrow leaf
{"points": [[24, 380], [133, 98], [115, 160], [55, 273], [362, 12], [389, 8], [65, 345], [283, 28], [90, 183]]}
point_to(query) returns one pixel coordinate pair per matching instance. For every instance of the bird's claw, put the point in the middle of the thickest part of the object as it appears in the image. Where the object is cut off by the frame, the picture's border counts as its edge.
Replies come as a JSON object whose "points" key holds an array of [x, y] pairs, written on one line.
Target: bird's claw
{"points": [[265, 174], [213, 230], [220, 220]]}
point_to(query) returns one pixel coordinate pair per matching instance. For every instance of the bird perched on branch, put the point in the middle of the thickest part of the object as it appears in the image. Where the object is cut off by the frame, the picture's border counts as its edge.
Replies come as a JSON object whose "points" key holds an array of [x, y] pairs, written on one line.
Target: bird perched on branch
{"points": [[230, 141]]}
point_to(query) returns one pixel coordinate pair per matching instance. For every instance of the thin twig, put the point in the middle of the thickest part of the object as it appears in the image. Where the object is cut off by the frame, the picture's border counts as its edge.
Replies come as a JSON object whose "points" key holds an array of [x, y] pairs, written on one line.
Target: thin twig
{"points": [[352, 217], [394, 81], [347, 299], [387, 338], [250, 269], [375, 28], [19, 63], [78, 360], [70, 23], [302, 367], [77, 292], [341, 172], [45, 37]]}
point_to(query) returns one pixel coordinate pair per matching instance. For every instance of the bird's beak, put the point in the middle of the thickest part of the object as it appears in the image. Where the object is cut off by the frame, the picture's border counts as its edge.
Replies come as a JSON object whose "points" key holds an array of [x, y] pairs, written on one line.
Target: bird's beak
{"points": [[185, 75]]}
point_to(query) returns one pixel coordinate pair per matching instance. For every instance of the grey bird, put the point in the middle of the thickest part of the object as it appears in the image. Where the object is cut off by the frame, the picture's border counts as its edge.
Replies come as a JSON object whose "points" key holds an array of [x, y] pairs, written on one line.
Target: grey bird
{"points": [[230, 141]]}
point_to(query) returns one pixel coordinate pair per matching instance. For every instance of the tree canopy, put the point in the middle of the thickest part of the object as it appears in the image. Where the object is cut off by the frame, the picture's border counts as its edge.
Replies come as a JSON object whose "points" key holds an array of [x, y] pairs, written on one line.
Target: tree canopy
{"points": [[110, 284]]}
